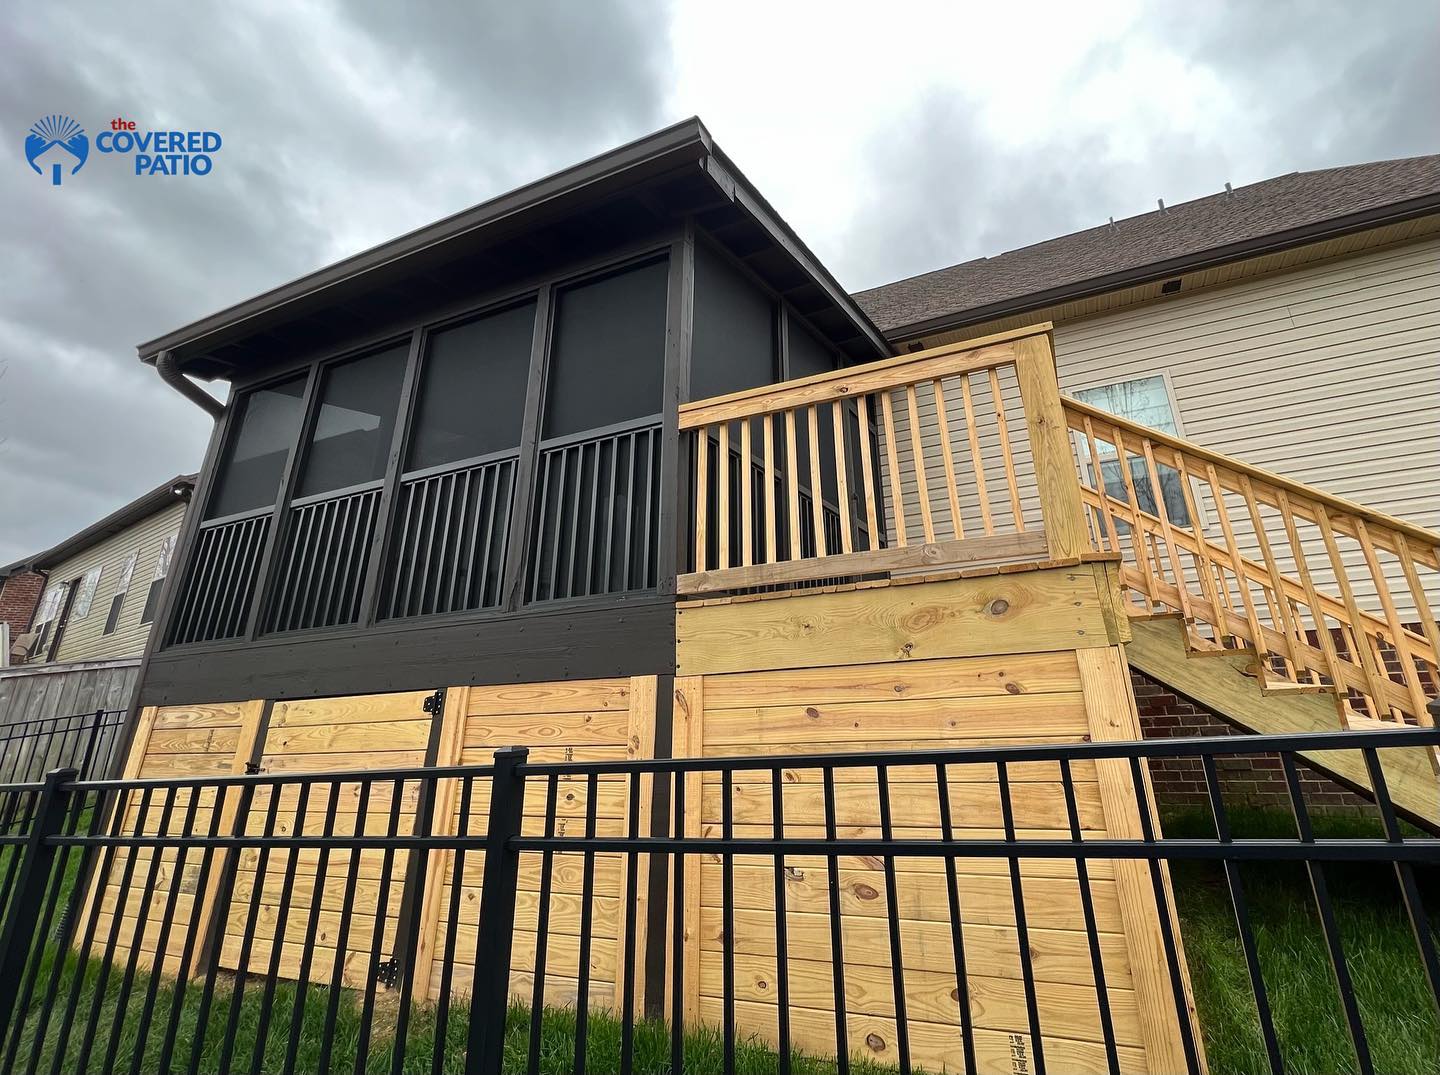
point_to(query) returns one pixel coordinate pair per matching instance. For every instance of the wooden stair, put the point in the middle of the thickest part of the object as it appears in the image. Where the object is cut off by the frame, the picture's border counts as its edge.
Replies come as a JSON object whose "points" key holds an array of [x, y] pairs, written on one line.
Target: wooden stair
{"points": [[1164, 647]]}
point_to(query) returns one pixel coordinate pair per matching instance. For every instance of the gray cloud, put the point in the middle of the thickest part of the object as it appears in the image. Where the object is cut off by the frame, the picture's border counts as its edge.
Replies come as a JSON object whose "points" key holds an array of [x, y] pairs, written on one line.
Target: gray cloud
{"points": [[346, 124]]}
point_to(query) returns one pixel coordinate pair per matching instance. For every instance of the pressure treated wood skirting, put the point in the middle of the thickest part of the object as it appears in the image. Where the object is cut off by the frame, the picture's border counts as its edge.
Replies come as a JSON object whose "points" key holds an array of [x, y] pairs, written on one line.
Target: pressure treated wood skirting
{"points": [[915, 667]]}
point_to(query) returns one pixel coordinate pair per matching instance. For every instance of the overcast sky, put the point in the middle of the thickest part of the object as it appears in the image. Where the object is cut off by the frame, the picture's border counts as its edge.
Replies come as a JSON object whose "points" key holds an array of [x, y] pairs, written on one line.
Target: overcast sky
{"points": [[895, 138]]}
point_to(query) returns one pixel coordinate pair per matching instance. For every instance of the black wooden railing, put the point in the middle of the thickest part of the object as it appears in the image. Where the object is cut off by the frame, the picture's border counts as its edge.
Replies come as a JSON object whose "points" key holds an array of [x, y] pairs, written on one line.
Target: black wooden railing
{"points": [[453, 532], [320, 564], [220, 580], [597, 508], [289, 862]]}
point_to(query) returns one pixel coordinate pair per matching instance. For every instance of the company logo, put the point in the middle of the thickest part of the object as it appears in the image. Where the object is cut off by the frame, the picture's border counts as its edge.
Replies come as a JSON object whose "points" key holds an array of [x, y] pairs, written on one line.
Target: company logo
{"points": [[54, 144], [57, 143]]}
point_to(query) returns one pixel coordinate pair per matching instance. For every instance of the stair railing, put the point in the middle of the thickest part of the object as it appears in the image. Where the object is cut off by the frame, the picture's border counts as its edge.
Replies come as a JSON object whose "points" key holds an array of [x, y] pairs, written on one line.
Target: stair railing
{"points": [[1330, 596]]}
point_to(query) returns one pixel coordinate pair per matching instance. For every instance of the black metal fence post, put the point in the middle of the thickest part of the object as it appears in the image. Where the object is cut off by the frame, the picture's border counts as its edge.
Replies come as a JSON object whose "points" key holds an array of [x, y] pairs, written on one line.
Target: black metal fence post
{"points": [[490, 995], [37, 859]]}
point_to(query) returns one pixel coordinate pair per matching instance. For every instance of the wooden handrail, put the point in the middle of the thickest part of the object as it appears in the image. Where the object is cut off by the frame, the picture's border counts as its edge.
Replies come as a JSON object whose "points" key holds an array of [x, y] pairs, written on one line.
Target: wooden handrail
{"points": [[1265, 477], [1261, 584], [888, 423]]}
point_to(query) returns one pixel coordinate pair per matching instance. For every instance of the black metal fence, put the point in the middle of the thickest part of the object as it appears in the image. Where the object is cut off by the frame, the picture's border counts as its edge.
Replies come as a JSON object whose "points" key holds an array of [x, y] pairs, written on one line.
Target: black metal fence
{"points": [[282, 922], [83, 741]]}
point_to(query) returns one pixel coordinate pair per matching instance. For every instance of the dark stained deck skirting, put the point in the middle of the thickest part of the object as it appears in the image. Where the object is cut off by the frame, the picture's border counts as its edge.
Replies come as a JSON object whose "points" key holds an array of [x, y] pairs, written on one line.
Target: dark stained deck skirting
{"points": [[578, 642]]}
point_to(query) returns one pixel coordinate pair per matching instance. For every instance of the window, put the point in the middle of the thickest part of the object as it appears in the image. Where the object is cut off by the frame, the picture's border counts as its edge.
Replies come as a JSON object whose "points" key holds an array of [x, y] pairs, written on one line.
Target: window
{"points": [[351, 437], [122, 585], [733, 346], [608, 357], [157, 581], [85, 596], [46, 613], [266, 425], [1145, 400], [472, 392]]}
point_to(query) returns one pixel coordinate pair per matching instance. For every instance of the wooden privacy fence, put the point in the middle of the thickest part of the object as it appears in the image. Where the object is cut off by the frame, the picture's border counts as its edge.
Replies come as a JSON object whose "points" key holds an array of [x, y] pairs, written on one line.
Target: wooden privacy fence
{"points": [[954, 455], [1330, 596]]}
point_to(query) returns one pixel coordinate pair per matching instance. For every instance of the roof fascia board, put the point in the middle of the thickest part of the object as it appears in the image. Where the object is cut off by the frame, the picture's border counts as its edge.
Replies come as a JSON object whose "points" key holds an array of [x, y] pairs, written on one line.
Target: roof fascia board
{"points": [[1333, 228]]}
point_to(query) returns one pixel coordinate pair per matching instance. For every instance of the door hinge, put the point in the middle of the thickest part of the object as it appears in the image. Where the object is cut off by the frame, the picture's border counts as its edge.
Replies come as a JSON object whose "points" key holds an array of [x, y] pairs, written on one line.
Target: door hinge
{"points": [[387, 971], [435, 704]]}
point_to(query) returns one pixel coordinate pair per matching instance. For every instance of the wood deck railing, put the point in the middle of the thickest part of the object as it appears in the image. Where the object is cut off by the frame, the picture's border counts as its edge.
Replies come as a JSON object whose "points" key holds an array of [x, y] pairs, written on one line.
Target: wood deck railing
{"points": [[954, 455], [1331, 596]]}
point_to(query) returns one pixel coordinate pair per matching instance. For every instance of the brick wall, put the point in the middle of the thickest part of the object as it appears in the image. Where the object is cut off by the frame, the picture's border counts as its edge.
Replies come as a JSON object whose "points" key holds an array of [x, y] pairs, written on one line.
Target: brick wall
{"points": [[1249, 780], [19, 594]]}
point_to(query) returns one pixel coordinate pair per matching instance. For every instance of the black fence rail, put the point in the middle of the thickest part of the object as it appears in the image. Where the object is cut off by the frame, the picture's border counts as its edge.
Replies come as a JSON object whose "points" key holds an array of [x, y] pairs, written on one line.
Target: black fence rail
{"points": [[295, 921], [83, 741]]}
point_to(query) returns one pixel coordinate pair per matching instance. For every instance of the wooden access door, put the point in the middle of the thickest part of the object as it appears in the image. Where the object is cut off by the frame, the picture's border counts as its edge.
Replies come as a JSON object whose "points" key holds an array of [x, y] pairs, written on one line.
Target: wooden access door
{"points": [[362, 732]]}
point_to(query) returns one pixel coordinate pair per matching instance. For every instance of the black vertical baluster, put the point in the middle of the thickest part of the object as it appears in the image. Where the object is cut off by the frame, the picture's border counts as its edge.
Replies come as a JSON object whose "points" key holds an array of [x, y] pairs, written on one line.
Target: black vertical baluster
{"points": [[610, 502], [649, 529], [247, 942], [1242, 916], [411, 906], [282, 919], [342, 934], [591, 537], [677, 937], [727, 912], [463, 560], [629, 507], [542, 925], [1022, 931], [312, 929], [1405, 875], [447, 965], [1087, 908], [957, 937], [587, 901], [782, 953], [892, 914], [117, 915], [377, 935], [137, 935], [837, 942], [627, 981], [1167, 931]]}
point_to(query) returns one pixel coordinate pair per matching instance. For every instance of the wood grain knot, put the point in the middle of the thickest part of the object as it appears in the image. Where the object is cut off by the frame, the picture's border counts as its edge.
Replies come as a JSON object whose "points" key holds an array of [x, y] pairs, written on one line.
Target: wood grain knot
{"points": [[1014, 688], [864, 891], [998, 607], [875, 1042]]}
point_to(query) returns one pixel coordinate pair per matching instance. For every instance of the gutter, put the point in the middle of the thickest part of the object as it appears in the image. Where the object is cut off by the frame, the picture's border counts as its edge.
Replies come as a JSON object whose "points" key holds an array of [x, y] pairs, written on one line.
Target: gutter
{"points": [[169, 372], [1394, 213]]}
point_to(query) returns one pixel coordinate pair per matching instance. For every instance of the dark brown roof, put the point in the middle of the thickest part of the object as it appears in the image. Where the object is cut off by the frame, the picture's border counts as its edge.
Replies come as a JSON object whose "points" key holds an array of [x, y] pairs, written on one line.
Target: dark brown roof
{"points": [[1284, 211]]}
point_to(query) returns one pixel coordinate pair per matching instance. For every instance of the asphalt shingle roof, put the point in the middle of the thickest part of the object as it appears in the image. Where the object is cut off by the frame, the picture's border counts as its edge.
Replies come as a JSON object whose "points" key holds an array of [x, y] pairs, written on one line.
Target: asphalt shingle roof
{"points": [[1252, 212]]}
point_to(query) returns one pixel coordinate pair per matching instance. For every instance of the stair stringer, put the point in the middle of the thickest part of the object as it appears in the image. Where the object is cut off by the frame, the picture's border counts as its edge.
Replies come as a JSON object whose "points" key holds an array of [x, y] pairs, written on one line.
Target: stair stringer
{"points": [[1228, 687]]}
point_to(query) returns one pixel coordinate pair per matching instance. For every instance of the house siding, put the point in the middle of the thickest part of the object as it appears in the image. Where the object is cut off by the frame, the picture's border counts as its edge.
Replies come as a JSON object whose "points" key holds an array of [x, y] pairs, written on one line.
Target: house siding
{"points": [[85, 639], [1329, 375]]}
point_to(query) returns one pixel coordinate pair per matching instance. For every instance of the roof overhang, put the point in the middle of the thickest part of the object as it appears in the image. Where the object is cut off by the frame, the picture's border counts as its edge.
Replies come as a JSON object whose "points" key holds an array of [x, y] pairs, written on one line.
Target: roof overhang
{"points": [[1150, 272], [667, 175]]}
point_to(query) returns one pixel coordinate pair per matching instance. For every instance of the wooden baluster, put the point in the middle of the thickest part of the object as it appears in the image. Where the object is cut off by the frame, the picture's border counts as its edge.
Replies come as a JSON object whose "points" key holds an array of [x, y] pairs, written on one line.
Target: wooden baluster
{"points": [[722, 493], [1307, 583], [842, 479], [747, 503], [1138, 531], [1107, 513], [1399, 638], [867, 474], [702, 478], [1278, 603], [817, 508], [1360, 647], [1203, 567], [1172, 551], [951, 490], [917, 453], [968, 403], [770, 541], [1237, 564], [1006, 456], [1427, 618], [792, 484], [887, 422]]}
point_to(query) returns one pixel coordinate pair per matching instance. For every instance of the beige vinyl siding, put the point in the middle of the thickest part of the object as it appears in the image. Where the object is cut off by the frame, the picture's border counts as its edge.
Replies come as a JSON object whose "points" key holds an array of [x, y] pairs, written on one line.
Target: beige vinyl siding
{"points": [[84, 638], [1329, 375]]}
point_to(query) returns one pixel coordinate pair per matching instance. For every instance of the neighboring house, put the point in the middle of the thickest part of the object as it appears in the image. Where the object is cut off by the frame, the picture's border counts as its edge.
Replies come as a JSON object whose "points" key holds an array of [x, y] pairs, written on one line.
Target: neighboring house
{"points": [[101, 591], [20, 589]]}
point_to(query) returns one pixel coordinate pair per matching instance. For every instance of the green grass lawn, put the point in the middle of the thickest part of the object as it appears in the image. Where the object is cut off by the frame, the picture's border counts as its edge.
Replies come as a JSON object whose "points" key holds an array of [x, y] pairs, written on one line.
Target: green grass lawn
{"points": [[1392, 994]]}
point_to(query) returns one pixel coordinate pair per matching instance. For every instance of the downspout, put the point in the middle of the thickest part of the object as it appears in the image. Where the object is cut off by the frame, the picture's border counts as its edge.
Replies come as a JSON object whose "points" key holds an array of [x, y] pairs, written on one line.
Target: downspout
{"points": [[171, 375]]}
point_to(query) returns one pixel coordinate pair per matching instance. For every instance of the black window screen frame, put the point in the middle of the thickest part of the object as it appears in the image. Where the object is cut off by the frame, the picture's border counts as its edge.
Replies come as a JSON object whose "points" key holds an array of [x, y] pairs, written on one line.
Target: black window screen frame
{"points": [[216, 506], [399, 353]]}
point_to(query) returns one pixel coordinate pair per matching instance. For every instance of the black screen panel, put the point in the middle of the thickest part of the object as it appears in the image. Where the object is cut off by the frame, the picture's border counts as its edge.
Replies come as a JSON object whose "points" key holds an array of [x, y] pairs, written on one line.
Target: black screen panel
{"points": [[352, 433], [733, 346], [249, 478]]}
